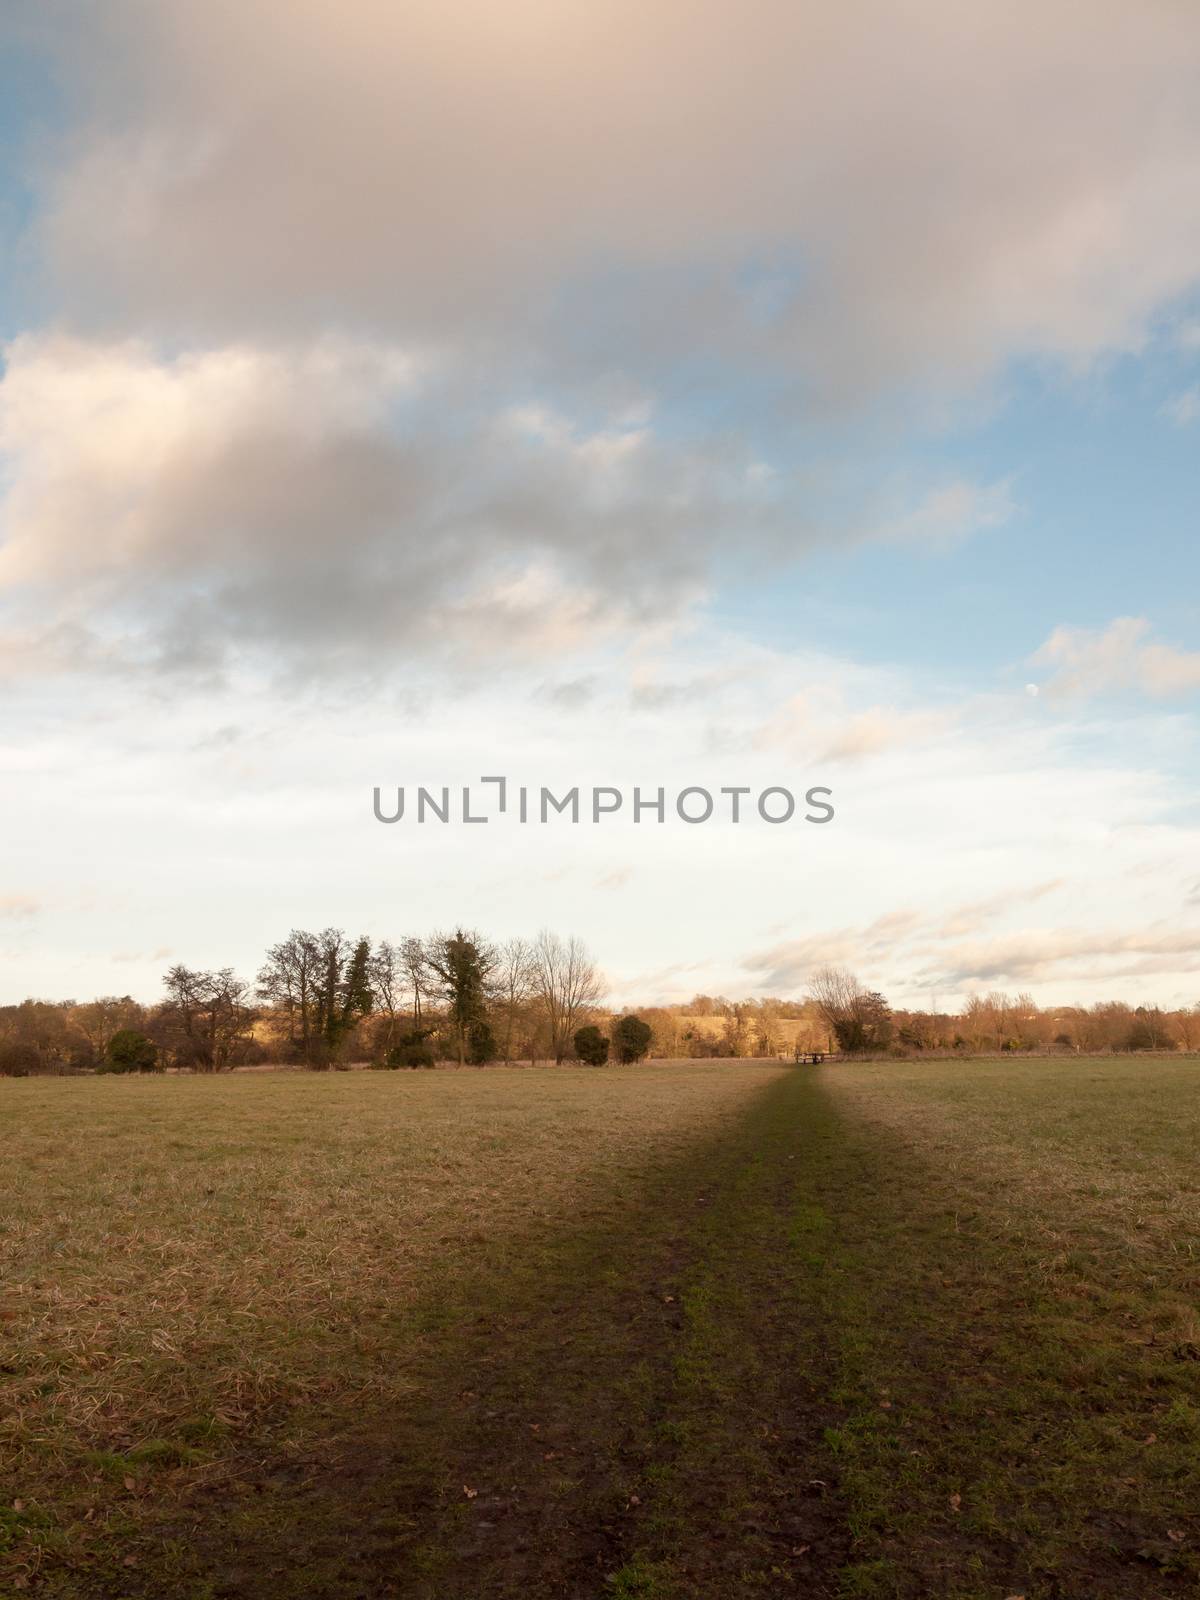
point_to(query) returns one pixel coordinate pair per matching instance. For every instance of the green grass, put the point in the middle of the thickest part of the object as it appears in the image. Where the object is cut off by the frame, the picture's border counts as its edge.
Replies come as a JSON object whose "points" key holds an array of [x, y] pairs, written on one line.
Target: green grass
{"points": [[723, 1329], [1014, 1276]]}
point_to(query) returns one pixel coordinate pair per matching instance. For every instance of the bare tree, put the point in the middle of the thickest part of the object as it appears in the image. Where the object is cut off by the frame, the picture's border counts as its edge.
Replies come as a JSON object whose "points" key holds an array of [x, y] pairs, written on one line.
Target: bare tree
{"points": [[513, 981], [834, 992], [230, 1017], [205, 1017], [567, 983], [1187, 1026], [290, 979], [99, 1019], [387, 982], [858, 1018], [416, 968]]}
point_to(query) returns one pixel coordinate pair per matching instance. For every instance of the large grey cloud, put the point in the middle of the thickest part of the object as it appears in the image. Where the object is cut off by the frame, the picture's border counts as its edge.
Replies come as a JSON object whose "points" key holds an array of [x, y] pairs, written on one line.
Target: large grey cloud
{"points": [[863, 191], [310, 262], [333, 506]]}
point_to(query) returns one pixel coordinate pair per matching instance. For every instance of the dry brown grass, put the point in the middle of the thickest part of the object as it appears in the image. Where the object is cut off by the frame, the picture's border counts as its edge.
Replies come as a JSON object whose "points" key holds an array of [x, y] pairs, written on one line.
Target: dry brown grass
{"points": [[181, 1257], [243, 1316], [1095, 1147]]}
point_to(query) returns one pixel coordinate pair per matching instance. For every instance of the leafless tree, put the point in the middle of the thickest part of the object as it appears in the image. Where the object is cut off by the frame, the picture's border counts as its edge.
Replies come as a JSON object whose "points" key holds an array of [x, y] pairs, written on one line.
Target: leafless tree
{"points": [[387, 983], [514, 981], [290, 979], [416, 968], [859, 1018], [1187, 1026], [99, 1019], [205, 1018], [567, 983], [834, 992]]}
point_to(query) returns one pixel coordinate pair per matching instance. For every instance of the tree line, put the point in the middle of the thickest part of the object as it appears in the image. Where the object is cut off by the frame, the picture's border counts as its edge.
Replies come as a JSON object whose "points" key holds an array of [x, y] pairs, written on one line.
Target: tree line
{"points": [[859, 1020], [322, 999]]}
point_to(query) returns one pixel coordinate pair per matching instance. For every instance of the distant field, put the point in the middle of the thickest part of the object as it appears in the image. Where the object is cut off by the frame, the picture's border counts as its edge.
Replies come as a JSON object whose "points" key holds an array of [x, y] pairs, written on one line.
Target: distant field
{"points": [[695, 1328]]}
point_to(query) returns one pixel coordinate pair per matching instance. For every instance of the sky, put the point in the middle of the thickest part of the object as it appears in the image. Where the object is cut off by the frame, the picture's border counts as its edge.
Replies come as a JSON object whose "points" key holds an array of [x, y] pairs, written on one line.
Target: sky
{"points": [[624, 395]]}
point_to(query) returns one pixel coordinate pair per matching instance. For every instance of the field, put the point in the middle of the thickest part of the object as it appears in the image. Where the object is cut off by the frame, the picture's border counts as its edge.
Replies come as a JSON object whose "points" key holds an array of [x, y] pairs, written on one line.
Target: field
{"points": [[712, 1329]]}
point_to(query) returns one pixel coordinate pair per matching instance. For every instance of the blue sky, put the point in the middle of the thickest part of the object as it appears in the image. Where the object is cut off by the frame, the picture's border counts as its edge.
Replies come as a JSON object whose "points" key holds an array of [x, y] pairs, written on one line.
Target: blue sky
{"points": [[406, 411], [1106, 507]]}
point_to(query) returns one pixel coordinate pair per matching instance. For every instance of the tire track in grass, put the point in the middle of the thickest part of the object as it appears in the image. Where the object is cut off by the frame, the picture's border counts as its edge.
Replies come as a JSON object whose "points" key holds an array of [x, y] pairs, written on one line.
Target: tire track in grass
{"points": [[746, 1502]]}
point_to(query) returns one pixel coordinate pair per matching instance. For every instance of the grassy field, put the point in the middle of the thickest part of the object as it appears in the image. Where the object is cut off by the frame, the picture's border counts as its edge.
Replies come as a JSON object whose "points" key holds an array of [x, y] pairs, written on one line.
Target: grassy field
{"points": [[688, 1329]]}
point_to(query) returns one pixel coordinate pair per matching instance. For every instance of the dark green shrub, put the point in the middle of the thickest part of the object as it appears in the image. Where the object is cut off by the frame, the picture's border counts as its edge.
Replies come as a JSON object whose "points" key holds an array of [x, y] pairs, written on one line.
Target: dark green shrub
{"points": [[631, 1038], [411, 1050], [130, 1051], [591, 1046]]}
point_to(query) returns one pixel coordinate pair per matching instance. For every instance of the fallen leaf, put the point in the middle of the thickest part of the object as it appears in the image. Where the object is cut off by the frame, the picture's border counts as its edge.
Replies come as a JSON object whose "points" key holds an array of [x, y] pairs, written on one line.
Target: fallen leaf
{"points": [[955, 1501], [470, 1493], [130, 1483], [801, 1549], [1175, 1538], [18, 1505]]}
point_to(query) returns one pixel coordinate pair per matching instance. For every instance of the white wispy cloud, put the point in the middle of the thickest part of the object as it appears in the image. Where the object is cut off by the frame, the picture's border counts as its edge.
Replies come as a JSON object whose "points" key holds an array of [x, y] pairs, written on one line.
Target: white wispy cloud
{"points": [[827, 726], [1183, 408], [1121, 658], [1044, 955], [951, 513], [18, 906]]}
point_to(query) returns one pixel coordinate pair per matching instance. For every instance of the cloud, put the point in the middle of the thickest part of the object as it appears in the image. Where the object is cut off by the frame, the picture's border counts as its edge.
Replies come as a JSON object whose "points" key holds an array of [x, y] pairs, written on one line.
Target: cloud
{"points": [[17, 907], [633, 181], [966, 918], [337, 505], [140, 957], [825, 729], [1121, 659], [788, 966], [919, 951], [1184, 407], [392, 349], [950, 513], [650, 691], [882, 728], [1039, 955], [570, 695]]}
